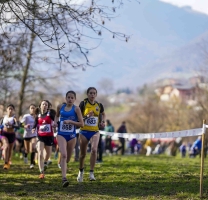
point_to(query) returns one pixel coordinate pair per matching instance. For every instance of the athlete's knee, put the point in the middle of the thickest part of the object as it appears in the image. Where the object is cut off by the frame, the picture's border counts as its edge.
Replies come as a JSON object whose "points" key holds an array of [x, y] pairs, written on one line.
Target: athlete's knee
{"points": [[93, 150], [63, 155], [82, 155], [6, 146]]}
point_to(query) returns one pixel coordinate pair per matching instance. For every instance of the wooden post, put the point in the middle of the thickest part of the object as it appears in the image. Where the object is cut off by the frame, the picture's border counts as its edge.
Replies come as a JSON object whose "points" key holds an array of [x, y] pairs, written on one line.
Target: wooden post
{"points": [[202, 159]]}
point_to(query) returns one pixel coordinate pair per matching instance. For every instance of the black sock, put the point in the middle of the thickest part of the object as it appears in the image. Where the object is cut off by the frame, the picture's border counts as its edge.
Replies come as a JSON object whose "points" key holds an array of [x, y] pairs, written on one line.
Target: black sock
{"points": [[25, 155], [32, 158], [91, 170], [81, 170]]}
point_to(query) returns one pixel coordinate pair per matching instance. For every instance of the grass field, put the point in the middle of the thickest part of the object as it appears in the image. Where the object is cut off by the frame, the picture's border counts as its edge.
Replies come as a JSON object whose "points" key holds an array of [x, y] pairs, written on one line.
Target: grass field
{"points": [[127, 177]]}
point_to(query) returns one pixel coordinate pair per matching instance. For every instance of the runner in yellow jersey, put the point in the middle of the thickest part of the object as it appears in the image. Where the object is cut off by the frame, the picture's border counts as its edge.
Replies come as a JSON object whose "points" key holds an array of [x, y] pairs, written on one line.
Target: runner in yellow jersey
{"points": [[93, 114]]}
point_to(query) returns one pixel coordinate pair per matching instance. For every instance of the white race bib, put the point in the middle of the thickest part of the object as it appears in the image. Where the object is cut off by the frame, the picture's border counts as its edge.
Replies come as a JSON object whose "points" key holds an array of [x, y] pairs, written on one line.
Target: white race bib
{"points": [[91, 121], [45, 128], [69, 128]]}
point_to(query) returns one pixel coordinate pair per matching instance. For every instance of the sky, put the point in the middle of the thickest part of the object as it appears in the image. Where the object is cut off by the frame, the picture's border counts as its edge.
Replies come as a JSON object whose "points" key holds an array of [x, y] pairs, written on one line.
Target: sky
{"points": [[196, 5]]}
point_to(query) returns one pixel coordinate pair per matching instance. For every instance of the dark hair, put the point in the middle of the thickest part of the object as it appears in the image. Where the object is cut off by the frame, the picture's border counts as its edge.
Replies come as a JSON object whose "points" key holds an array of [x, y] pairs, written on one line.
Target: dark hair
{"points": [[91, 88], [46, 101], [32, 105], [11, 105], [108, 122], [37, 109], [72, 92]]}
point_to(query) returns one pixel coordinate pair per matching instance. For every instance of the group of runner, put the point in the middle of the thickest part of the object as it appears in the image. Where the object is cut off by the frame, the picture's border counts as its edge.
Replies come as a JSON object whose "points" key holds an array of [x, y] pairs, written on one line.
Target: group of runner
{"points": [[42, 122]]}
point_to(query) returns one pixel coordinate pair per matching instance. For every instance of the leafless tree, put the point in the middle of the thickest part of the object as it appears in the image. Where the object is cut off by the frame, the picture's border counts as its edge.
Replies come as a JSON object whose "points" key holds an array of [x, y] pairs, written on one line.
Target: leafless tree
{"points": [[62, 24]]}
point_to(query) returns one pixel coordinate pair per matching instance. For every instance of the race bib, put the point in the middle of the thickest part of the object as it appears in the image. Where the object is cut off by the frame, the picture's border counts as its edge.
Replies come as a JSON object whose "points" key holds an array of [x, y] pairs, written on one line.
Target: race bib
{"points": [[46, 128], [92, 121], [30, 127], [69, 128]]}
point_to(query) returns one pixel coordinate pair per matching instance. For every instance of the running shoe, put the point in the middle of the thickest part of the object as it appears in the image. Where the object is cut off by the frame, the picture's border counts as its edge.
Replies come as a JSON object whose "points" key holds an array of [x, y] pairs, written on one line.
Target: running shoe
{"points": [[56, 155], [80, 176], [65, 183], [45, 166], [25, 160], [6, 166], [59, 166], [31, 166], [49, 162], [92, 177], [42, 176]]}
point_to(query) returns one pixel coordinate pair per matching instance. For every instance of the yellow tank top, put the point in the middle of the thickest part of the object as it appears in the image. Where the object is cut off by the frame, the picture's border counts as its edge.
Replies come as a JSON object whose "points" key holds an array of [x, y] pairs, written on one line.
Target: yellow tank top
{"points": [[91, 123]]}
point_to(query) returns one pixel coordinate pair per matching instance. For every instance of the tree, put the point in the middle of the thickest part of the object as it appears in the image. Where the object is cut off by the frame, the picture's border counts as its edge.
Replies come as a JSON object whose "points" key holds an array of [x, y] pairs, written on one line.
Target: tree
{"points": [[106, 85], [22, 77], [62, 25]]}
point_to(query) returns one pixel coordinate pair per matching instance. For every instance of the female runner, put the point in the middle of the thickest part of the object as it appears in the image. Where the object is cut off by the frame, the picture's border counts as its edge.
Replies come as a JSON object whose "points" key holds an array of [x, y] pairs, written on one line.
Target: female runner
{"points": [[92, 111], [69, 117], [9, 123], [43, 124], [29, 138]]}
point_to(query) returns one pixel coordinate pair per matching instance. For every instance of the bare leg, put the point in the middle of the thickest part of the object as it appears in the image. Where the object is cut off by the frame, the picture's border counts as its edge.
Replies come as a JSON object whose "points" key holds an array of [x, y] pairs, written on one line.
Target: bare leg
{"points": [[70, 147], [6, 149], [11, 150], [27, 146], [48, 150], [94, 145], [62, 148], [40, 149], [83, 150]]}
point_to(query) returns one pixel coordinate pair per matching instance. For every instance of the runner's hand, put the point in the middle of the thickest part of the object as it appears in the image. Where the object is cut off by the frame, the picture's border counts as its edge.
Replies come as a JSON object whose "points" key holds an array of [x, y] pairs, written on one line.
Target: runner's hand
{"points": [[67, 121], [55, 125]]}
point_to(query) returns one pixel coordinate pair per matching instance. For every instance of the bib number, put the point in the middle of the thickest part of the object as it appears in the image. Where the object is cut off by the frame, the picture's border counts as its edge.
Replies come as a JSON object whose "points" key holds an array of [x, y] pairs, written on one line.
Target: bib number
{"points": [[30, 127], [92, 121], [46, 128], [69, 128]]}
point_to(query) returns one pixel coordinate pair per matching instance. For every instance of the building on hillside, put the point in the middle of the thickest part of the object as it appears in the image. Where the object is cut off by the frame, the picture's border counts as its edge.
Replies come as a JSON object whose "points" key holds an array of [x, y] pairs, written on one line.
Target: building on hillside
{"points": [[122, 98], [185, 93]]}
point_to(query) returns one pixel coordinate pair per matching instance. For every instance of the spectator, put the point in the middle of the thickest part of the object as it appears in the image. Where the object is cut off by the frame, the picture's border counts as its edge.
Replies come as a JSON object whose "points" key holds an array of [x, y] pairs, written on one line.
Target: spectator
{"points": [[139, 146], [196, 147], [108, 140], [133, 144], [148, 146], [182, 149], [121, 129]]}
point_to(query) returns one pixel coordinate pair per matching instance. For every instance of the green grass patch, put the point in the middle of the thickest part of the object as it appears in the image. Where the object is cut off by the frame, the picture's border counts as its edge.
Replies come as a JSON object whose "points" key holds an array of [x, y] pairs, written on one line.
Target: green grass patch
{"points": [[118, 177]]}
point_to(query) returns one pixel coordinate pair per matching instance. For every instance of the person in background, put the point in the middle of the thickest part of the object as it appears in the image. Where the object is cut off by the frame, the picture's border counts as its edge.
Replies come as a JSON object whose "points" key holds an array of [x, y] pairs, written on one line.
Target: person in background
{"points": [[122, 129], [139, 146], [27, 122], [196, 147], [9, 123], [182, 149], [108, 140], [133, 144], [148, 146], [100, 145]]}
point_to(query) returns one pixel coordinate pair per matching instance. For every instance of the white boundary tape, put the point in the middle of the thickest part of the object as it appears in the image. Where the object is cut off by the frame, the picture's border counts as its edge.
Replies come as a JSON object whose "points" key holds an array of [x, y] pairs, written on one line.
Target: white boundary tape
{"points": [[174, 134]]}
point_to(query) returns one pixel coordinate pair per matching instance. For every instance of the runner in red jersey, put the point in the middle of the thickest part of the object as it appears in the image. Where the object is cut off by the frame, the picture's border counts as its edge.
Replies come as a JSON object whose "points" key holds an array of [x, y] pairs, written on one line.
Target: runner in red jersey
{"points": [[43, 124]]}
